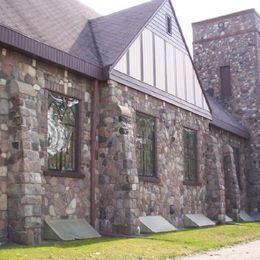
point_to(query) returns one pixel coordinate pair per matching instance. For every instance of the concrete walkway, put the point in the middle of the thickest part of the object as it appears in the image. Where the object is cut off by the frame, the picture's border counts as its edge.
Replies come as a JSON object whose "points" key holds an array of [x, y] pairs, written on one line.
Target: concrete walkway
{"points": [[248, 251]]}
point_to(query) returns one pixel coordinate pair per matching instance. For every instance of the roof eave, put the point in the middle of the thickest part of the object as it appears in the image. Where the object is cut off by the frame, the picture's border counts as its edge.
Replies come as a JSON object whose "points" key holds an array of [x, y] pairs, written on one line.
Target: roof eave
{"points": [[43, 51], [230, 128]]}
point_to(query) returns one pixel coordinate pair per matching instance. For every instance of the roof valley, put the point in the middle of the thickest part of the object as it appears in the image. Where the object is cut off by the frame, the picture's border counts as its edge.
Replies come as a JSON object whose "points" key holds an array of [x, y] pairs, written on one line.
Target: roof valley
{"points": [[99, 57]]}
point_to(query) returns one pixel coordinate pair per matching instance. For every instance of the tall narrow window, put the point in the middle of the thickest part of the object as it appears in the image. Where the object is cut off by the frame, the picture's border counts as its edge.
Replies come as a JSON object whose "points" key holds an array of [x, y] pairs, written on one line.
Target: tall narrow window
{"points": [[225, 79], [169, 24], [145, 142], [63, 113], [190, 154]]}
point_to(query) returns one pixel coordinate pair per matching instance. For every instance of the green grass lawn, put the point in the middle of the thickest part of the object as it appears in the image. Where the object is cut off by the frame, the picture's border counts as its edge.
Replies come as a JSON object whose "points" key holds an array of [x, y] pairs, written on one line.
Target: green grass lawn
{"points": [[159, 246]]}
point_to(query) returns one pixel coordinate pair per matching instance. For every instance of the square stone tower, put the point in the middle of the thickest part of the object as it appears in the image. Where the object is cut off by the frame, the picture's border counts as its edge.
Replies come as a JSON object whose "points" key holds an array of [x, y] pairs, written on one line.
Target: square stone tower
{"points": [[227, 58]]}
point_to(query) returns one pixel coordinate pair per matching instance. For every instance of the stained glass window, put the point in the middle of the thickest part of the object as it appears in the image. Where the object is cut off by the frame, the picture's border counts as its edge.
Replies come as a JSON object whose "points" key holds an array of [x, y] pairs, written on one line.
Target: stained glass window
{"points": [[145, 134], [62, 132], [190, 154]]}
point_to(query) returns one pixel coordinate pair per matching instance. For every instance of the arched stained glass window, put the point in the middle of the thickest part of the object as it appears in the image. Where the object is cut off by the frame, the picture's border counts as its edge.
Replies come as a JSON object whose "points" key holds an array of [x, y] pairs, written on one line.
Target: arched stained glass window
{"points": [[63, 115]]}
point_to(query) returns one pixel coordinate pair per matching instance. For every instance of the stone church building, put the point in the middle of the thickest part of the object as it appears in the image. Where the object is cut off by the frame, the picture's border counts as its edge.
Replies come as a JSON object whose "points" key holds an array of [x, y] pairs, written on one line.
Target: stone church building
{"points": [[105, 118]]}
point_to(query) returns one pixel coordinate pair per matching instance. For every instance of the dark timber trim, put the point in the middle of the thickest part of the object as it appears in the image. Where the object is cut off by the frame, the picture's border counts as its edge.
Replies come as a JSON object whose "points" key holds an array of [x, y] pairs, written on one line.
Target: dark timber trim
{"points": [[157, 93]]}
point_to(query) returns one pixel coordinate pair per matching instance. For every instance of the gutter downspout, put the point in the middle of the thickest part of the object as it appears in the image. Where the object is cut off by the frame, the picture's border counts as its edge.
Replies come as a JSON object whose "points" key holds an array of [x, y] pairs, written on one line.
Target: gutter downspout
{"points": [[95, 101]]}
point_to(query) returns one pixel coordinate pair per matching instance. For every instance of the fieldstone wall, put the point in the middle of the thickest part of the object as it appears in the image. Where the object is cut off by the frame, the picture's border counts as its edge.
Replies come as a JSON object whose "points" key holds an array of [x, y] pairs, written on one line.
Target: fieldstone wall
{"points": [[232, 196], [24, 179], [4, 150], [118, 180], [67, 197], [33, 195], [215, 189], [124, 195], [226, 184], [234, 40]]}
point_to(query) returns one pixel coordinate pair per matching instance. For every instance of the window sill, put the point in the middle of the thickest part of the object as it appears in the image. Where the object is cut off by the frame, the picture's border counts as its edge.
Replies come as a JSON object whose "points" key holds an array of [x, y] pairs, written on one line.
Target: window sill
{"points": [[149, 179], [75, 175], [192, 183]]}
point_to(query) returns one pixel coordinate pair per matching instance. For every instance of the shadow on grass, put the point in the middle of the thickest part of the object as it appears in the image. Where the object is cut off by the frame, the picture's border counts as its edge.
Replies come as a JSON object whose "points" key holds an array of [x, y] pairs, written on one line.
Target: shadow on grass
{"points": [[62, 244], [185, 236]]}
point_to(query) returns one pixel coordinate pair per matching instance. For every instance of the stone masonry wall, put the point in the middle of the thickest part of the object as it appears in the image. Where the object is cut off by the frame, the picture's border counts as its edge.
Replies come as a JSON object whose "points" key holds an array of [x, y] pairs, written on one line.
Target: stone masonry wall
{"points": [[68, 197], [118, 180], [234, 40], [4, 151], [124, 195], [215, 189], [32, 195], [232, 192], [225, 181]]}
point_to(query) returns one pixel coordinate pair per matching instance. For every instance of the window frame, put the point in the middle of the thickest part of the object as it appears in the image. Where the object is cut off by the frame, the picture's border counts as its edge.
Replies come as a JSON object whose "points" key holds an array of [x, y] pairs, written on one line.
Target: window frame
{"points": [[168, 20], [194, 181], [225, 81], [76, 173], [154, 178]]}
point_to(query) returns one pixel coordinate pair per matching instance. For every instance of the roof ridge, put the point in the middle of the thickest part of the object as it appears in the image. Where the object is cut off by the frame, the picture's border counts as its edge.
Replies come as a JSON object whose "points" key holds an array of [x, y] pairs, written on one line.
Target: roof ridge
{"points": [[126, 9], [123, 36], [88, 7]]}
